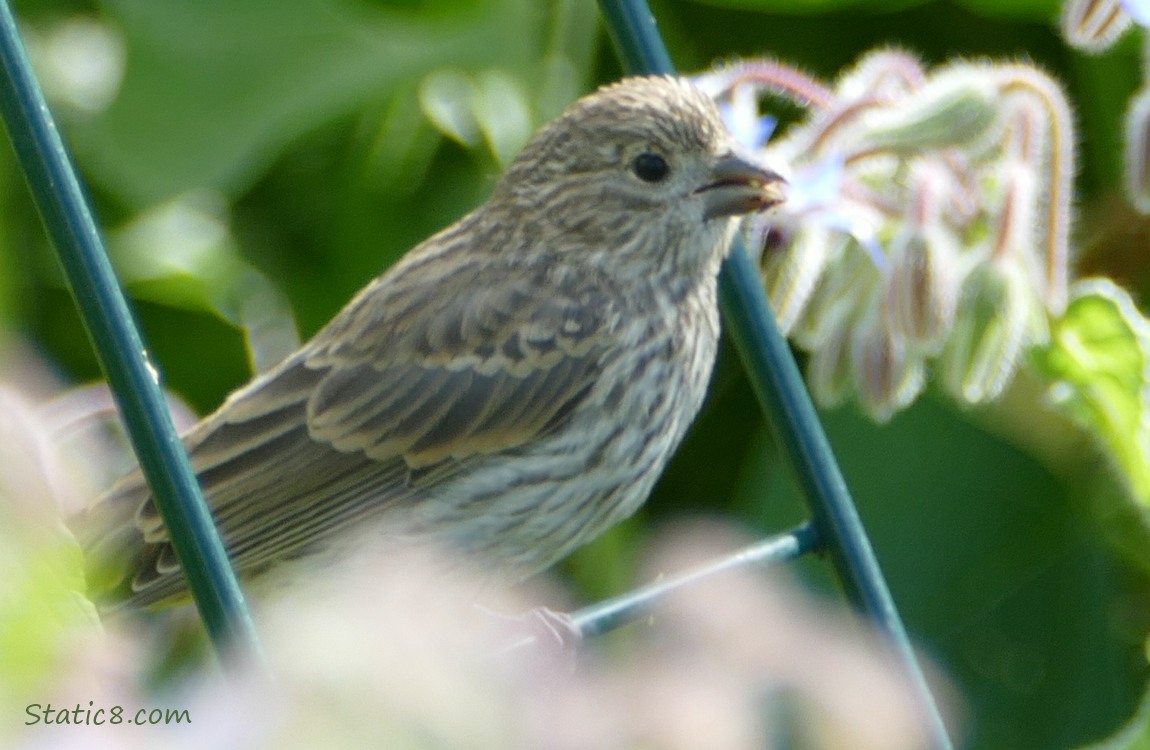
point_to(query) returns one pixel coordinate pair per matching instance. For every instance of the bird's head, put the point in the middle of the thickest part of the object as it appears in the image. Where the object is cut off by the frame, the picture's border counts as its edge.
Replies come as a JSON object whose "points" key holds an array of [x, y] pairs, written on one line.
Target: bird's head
{"points": [[641, 168]]}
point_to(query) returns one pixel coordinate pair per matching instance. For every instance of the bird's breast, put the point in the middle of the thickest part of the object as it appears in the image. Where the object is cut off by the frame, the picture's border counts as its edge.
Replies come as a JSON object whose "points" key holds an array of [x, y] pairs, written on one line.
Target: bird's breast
{"points": [[658, 376], [543, 500]]}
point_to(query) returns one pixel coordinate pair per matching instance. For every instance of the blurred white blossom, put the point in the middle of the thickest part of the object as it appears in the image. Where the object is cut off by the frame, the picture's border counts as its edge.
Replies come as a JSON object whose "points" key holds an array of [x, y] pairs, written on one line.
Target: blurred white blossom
{"points": [[382, 650]]}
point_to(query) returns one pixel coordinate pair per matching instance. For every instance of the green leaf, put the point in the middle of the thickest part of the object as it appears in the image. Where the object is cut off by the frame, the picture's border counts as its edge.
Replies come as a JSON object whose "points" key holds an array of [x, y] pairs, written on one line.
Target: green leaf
{"points": [[446, 97], [503, 114], [214, 89], [182, 254], [996, 571], [491, 105], [1098, 367]]}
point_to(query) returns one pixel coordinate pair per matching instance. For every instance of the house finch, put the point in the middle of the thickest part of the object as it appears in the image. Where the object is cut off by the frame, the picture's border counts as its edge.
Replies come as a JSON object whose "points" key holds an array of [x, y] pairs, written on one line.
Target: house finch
{"points": [[512, 387]]}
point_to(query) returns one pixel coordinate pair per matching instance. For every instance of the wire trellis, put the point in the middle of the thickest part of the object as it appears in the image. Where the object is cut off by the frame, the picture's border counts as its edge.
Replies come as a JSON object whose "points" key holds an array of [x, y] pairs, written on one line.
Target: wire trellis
{"points": [[835, 527]]}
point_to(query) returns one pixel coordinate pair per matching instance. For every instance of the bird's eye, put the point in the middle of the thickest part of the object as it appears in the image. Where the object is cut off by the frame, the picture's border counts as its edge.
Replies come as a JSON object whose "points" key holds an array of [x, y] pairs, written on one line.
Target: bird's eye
{"points": [[650, 167]]}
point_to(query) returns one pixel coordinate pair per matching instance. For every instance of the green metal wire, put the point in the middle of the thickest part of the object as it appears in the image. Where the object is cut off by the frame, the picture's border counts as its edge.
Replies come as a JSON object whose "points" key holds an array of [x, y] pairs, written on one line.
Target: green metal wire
{"points": [[68, 219], [636, 38], [611, 613], [779, 387]]}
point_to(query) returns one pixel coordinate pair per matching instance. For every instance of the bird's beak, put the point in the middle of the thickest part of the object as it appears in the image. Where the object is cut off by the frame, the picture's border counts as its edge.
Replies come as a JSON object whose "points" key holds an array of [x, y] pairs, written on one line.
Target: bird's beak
{"points": [[737, 186]]}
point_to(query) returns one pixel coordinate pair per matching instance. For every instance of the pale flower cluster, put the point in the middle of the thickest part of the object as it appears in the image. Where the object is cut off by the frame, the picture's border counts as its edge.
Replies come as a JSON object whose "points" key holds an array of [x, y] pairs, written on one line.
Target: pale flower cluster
{"points": [[927, 221]]}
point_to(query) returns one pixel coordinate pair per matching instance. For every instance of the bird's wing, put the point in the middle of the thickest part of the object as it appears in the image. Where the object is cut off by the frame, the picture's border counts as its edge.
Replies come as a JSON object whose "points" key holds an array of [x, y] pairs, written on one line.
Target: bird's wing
{"points": [[401, 390], [493, 367]]}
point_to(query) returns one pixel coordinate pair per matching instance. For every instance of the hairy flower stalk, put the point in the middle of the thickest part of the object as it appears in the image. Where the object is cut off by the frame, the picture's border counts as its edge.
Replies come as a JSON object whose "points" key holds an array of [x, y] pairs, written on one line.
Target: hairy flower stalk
{"points": [[1052, 165], [927, 219]]}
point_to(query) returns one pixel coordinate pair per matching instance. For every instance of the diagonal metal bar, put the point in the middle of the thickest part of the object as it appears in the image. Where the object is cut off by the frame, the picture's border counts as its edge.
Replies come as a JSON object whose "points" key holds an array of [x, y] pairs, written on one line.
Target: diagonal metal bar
{"points": [[779, 387], [68, 219], [612, 613]]}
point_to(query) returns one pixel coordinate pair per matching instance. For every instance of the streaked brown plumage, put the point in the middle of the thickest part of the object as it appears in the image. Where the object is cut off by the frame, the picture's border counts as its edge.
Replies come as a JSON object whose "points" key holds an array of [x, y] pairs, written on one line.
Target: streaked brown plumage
{"points": [[513, 386]]}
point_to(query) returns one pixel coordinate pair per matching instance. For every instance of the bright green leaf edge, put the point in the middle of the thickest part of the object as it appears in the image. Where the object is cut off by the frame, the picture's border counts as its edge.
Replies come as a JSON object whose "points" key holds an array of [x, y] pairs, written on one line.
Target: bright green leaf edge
{"points": [[1098, 368]]}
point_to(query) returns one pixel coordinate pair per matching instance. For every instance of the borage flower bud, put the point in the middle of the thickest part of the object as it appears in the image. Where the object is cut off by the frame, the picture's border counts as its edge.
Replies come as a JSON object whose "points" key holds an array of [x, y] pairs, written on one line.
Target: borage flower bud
{"points": [[829, 374], [1093, 25], [1138, 151], [889, 376], [999, 316], [1025, 132], [955, 107], [923, 285], [790, 274], [843, 290], [1015, 232]]}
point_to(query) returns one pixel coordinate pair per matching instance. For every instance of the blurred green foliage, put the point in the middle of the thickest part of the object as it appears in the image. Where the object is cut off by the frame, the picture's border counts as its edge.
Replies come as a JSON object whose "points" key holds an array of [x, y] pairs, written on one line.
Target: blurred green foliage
{"points": [[329, 136]]}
